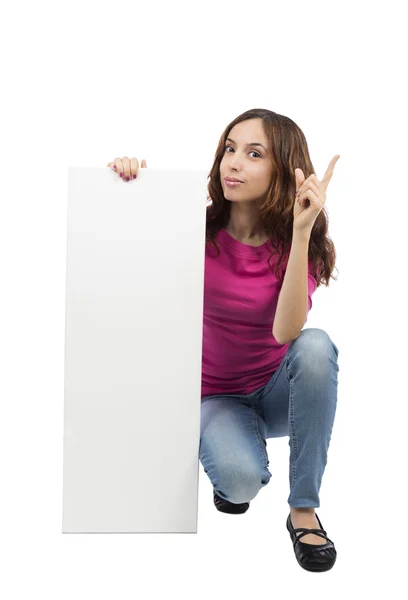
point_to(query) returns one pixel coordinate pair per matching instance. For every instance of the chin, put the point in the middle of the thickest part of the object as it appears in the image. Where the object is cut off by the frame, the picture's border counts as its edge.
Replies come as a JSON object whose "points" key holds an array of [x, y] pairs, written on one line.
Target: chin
{"points": [[232, 195]]}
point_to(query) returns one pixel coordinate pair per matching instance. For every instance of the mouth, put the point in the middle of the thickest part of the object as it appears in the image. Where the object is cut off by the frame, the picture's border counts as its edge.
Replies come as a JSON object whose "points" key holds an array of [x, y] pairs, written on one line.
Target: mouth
{"points": [[232, 179], [232, 182]]}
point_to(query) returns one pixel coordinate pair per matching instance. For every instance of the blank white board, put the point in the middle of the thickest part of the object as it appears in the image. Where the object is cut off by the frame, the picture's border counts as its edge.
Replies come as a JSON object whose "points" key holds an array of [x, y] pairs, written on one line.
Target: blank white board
{"points": [[133, 350]]}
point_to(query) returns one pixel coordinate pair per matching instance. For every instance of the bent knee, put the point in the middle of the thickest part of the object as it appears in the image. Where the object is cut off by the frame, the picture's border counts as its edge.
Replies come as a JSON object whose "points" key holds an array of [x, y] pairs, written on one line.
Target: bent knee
{"points": [[241, 485]]}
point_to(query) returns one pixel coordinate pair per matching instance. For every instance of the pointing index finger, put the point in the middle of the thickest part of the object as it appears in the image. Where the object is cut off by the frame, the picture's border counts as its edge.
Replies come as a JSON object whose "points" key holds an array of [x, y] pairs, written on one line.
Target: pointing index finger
{"points": [[329, 171]]}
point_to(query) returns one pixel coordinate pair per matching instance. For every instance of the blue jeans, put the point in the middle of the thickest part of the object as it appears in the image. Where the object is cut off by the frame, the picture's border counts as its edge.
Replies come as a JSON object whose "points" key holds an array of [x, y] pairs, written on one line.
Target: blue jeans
{"points": [[299, 401]]}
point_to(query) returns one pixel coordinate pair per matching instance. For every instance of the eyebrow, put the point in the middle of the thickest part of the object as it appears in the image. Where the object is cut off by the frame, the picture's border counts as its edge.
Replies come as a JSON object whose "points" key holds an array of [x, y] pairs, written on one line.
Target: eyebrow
{"points": [[252, 144]]}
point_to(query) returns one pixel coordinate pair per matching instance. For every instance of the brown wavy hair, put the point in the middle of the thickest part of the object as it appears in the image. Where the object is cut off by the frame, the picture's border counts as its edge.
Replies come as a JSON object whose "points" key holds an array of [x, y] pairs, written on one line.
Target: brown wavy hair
{"points": [[289, 151]]}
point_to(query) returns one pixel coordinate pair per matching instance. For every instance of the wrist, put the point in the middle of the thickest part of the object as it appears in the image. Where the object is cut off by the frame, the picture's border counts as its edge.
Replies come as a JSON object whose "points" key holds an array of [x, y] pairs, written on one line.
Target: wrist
{"points": [[301, 234]]}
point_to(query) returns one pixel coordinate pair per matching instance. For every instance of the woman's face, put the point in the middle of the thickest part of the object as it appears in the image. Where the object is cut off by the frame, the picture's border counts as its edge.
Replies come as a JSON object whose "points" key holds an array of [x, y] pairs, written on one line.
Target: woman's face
{"points": [[249, 163]]}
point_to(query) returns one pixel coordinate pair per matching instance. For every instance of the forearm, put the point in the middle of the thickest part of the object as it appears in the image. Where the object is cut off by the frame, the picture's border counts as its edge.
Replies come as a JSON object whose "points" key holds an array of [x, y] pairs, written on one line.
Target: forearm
{"points": [[292, 308]]}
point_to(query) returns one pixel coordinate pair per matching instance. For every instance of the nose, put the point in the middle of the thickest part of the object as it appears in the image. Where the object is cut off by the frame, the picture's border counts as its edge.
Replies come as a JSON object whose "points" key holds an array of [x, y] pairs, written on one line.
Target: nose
{"points": [[234, 163]]}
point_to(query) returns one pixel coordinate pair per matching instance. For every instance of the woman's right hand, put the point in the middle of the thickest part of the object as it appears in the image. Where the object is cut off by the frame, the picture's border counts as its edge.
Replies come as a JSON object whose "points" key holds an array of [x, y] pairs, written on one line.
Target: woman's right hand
{"points": [[126, 168]]}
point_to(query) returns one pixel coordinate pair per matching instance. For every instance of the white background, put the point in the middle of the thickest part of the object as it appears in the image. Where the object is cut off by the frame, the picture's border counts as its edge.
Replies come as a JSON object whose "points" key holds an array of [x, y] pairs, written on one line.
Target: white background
{"points": [[85, 82]]}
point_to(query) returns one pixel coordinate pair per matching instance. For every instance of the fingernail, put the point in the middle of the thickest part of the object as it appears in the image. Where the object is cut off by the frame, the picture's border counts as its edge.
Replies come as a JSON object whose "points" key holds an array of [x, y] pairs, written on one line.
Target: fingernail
{"points": [[121, 174], [127, 178], [134, 176], [114, 166]]}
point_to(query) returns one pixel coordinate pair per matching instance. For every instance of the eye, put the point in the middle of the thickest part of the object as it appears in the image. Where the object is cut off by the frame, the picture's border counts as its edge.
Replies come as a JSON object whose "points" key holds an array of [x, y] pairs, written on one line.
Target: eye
{"points": [[252, 151]]}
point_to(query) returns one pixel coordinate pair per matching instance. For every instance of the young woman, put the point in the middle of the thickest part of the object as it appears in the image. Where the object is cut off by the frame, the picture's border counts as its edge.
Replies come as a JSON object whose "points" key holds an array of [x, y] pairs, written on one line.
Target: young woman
{"points": [[267, 250]]}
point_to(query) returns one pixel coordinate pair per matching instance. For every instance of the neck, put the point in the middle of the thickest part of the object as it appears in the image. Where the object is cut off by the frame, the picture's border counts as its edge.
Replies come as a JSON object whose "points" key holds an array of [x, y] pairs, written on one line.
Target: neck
{"points": [[244, 225]]}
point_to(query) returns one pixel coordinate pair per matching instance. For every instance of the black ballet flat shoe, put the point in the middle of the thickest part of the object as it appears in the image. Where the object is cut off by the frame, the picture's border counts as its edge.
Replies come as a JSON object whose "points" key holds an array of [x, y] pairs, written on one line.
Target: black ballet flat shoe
{"points": [[312, 557], [229, 507]]}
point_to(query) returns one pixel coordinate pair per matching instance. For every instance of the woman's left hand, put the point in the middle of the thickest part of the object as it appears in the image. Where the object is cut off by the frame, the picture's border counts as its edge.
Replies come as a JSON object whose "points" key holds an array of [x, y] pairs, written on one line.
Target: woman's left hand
{"points": [[310, 197]]}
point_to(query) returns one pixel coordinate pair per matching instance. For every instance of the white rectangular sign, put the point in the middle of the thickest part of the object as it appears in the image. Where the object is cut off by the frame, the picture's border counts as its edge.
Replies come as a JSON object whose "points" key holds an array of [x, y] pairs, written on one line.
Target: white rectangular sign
{"points": [[133, 350]]}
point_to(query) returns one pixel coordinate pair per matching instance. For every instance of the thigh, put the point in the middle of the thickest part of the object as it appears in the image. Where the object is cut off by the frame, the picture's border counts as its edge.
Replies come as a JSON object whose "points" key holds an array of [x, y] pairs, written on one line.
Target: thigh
{"points": [[272, 403], [232, 438]]}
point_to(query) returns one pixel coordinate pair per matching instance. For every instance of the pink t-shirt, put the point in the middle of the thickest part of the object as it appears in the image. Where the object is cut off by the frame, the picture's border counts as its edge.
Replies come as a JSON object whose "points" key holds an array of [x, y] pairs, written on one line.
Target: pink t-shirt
{"points": [[241, 294]]}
